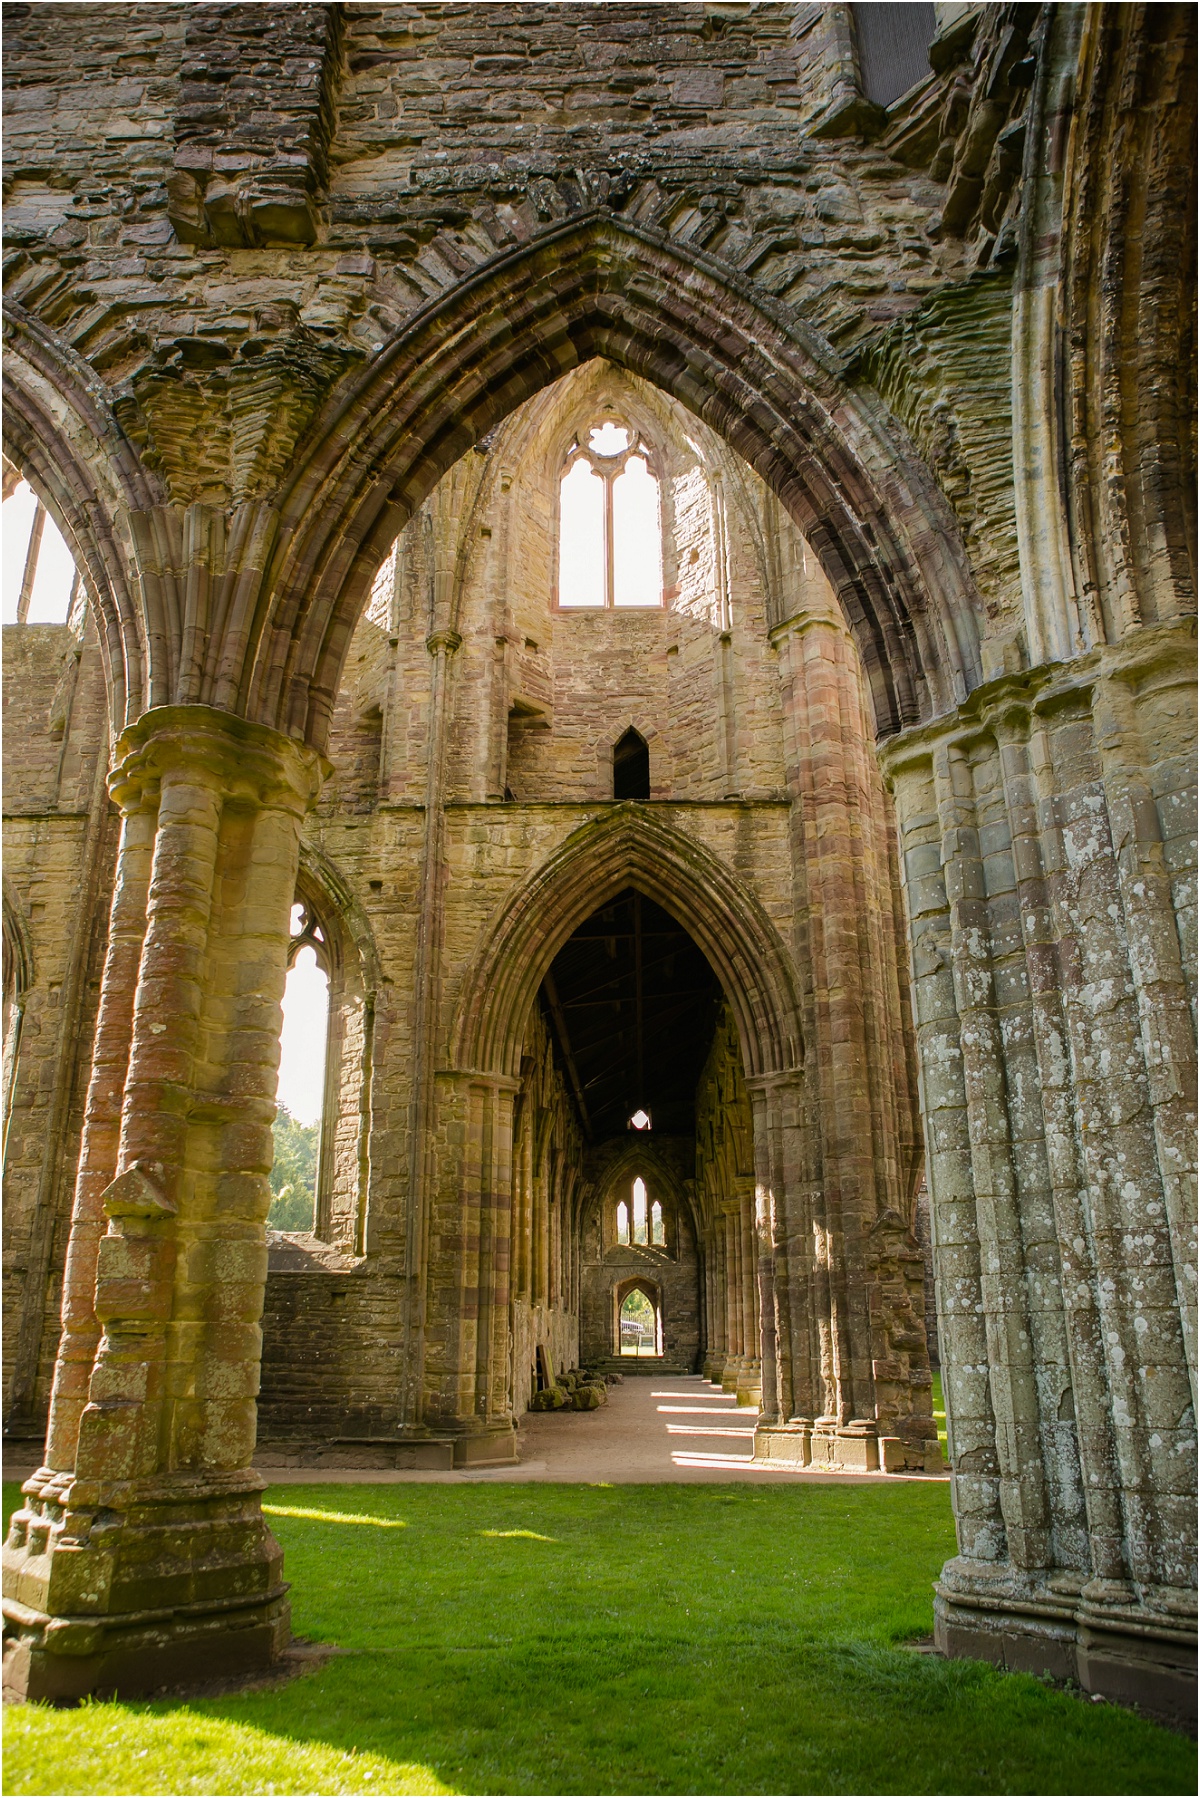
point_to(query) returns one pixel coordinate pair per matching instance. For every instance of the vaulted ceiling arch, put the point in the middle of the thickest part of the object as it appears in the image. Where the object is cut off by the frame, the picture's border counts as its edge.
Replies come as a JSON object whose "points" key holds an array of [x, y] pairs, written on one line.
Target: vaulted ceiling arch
{"points": [[62, 434]]}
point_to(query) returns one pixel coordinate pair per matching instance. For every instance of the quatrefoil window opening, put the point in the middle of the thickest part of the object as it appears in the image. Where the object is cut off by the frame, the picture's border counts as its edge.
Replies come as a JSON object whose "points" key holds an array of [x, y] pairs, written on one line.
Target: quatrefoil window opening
{"points": [[306, 933]]}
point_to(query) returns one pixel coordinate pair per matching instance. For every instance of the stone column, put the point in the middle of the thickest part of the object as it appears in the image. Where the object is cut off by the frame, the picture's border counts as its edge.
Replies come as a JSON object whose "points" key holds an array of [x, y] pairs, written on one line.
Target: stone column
{"points": [[792, 1298], [140, 1555], [714, 1268], [102, 1116], [1049, 854], [468, 1361], [749, 1373], [863, 1155], [735, 1329]]}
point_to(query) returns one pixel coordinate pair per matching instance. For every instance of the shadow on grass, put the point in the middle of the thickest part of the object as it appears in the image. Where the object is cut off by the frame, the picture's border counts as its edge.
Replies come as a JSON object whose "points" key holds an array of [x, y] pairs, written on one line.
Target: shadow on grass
{"points": [[649, 1639]]}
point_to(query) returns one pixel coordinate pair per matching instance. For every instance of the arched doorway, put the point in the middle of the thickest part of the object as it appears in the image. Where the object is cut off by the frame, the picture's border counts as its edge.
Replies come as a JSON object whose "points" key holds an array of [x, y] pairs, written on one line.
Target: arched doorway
{"points": [[783, 1317], [639, 1334]]}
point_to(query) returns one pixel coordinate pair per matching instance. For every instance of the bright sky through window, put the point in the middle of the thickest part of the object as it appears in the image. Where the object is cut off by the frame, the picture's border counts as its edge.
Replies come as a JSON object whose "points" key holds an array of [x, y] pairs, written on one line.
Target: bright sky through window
{"points": [[639, 1210], [53, 569], [622, 1222], [581, 535], [637, 537], [610, 524], [608, 439], [302, 1045]]}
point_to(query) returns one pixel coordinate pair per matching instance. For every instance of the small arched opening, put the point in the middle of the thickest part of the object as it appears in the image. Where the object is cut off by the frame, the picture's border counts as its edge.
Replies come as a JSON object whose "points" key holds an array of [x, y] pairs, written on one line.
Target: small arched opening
{"points": [[631, 766], [639, 1320]]}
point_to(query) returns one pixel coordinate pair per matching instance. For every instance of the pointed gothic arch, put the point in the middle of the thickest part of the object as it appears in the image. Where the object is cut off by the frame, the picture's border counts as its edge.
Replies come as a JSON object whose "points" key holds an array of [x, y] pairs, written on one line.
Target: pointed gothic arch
{"points": [[626, 848], [601, 286], [61, 433], [641, 1156], [252, 613]]}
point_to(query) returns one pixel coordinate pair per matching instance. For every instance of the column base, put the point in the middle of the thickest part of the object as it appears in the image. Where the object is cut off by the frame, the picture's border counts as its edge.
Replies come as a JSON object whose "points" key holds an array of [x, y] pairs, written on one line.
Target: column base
{"points": [[121, 1588], [742, 1376], [785, 1444], [852, 1448], [898, 1455], [749, 1383], [63, 1659], [494, 1447], [1129, 1653], [846, 1448]]}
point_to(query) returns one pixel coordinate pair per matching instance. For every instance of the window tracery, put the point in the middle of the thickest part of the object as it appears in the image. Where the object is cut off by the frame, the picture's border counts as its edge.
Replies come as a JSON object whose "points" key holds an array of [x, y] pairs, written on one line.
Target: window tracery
{"points": [[610, 551], [642, 1223]]}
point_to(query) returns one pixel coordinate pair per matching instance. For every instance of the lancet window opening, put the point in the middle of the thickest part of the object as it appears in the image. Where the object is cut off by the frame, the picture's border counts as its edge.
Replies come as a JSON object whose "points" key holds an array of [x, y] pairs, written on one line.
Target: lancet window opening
{"points": [[18, 978], [41, 582], [640, 1220], [300, 1174], [610, 552]]}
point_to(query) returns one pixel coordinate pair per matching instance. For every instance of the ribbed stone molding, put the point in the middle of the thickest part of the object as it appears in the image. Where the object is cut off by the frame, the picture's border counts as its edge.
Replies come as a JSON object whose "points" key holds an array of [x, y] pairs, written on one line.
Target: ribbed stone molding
{"points": [[1047, 834], [140, 1555]]}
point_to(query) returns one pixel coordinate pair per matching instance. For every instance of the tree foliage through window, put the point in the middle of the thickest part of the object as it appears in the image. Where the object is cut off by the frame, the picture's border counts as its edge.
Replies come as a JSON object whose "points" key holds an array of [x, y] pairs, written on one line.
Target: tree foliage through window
{"points": [[293, 1173]]}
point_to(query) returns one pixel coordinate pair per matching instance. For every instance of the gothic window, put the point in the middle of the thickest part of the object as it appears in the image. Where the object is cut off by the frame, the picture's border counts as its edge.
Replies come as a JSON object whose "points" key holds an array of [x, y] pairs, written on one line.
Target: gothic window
{"points": [[610, 524], [642, 1223], [631, 767], [639, 1212], [296, 1174], [18, 978], [41, 582]]}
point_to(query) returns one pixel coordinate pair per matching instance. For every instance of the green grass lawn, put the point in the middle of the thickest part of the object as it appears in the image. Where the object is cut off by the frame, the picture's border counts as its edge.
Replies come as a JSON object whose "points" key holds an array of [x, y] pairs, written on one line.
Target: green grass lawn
{"points": [[939, 1412], [632, 1639]]}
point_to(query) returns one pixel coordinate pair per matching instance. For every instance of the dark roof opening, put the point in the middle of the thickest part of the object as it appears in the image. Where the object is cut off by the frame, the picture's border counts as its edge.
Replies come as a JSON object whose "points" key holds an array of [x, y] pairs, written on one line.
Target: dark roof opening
{"points": [[631, 767], [632, 1005]]}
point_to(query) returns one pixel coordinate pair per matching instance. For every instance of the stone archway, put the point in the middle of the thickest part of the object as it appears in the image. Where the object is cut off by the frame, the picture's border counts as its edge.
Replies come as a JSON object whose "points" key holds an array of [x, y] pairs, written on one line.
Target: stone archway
{"points": [[628, 847], [61, 432], [812, 1305], [1040, 835], [651, 1291], [602, 286], [611, 1267]]}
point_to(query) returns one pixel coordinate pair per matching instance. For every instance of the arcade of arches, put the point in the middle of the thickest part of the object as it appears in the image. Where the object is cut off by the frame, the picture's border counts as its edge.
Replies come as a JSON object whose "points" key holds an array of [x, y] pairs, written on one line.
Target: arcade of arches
{"points": [[650, 543]]}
